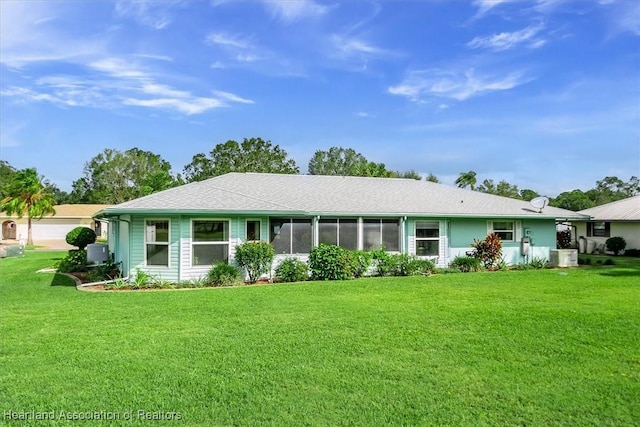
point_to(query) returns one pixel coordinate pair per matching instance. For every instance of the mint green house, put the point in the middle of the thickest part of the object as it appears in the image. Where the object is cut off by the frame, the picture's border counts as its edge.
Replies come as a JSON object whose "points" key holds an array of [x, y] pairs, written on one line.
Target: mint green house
{"points": [[178, 234]]}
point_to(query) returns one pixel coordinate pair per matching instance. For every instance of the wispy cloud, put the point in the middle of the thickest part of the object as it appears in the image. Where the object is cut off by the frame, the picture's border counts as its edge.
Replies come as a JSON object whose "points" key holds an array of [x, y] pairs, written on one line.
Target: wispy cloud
{"points": [[290, 11], [458, 85], [115, 82], [486, 5], [228, 40], [154, 14], [505, 41]]}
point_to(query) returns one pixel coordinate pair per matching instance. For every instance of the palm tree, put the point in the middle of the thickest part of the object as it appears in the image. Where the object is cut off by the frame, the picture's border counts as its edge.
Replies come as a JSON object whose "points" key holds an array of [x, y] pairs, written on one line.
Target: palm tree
{"points": [[28, 194], [467, 179]]}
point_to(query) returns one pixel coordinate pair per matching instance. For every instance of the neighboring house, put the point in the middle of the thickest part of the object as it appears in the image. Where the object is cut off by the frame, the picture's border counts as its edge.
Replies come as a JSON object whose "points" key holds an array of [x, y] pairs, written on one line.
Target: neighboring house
{"points": [[180, 232], [54, 227], [621, 218]]}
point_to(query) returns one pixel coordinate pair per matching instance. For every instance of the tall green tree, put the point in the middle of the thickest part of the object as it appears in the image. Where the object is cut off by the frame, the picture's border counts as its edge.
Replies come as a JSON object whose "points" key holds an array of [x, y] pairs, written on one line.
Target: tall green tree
{"points": [[252, 155], [28, 194], [528, 194], [575, 200], [467, 179], [114, 177], [336, 161], [6, 175], [503, 188]]}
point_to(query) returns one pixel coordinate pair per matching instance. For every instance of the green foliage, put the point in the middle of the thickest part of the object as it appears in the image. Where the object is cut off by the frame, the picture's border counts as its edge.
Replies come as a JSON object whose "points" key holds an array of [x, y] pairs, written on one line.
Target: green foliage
{"points": [[141, 280], [292, 270], [223, 274], [330, 262], [76, 260], [81, 237], [27, 193], [252, 155], [6, 176], [489, 250], [410, 265], [384, 264], [107, 271], [607, 190], [632, 252], [563, 239], [616, 244], [538, 263], [467, 179], [114, 177], [256, 258], [361, 262], [503, 188], [466, 264]]}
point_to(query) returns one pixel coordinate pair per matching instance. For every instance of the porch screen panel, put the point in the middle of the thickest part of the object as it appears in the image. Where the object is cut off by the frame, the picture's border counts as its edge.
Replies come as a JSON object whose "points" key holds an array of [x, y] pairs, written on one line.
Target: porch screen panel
{"points": [[371, 235], [348, 234], [328, 231], [301, 236], [391, 234], [281, 235]]}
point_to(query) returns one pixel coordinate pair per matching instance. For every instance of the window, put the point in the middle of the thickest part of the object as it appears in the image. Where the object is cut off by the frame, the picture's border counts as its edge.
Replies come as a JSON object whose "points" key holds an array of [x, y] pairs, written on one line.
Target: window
{"points": [[427, 238], [504, 229], [209, 242], [291, 236], [156, 238], [598, 229], [340, 232], [381, 232], [253, 230]]}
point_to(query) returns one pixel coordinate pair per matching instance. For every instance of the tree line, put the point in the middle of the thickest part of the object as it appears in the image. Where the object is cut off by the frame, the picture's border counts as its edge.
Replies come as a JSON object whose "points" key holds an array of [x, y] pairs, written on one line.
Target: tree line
{"points": [[115, 176]]}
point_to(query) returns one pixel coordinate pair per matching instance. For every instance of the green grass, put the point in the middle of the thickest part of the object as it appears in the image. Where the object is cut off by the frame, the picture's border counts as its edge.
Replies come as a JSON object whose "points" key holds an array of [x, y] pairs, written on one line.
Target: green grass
{"points": [[543, 347]]}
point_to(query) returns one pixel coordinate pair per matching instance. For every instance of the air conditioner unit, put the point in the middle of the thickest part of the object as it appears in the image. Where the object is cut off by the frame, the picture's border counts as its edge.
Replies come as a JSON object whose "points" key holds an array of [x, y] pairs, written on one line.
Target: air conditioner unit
{"points": [[97, 253]]}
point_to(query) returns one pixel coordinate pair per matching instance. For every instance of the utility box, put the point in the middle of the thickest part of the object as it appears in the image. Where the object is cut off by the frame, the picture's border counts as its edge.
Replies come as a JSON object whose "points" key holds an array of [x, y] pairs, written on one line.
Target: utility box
{"points": [[563, 257], [97, 253]]}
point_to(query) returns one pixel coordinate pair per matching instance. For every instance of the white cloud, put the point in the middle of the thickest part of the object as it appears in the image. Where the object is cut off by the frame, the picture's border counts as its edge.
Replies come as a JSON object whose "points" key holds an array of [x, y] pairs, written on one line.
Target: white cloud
{"points": [[290, 11], [187, 106], [486, 5], [228, 40], [154, 14], [454, 85], [505, 41], [232, 97]]}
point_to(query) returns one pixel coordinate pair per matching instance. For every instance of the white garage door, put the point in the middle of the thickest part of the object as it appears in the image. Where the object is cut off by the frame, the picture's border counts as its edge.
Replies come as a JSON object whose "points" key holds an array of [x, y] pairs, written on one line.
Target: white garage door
{"points": [[52, 231]]}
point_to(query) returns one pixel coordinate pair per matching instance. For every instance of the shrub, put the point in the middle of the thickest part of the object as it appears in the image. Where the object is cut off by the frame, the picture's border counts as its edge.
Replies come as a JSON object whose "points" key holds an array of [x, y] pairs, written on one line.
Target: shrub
{"points": [[538, 263], [632, 252], [223, 274], [608, 261], [584, 261], [330, 262], [616, 244], [106, 271], [75, 261], [384, 263], [292, 270], [409, 265], [563, 239], [489, 250], [256, 258], [81, 237], [466, 264], [361, 262]]}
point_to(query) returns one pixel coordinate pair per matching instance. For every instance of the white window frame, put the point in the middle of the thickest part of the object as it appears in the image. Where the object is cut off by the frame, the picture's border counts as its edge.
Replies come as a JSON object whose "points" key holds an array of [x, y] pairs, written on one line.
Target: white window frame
{"points": [[337, 224], [513, 230], [209, 243], [420, 239], [246, 222], [167, 243]]}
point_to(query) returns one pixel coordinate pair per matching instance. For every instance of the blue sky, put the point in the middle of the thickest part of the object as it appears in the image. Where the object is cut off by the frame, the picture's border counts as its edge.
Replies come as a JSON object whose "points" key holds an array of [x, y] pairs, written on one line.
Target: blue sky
{"points": [[544, 94]]}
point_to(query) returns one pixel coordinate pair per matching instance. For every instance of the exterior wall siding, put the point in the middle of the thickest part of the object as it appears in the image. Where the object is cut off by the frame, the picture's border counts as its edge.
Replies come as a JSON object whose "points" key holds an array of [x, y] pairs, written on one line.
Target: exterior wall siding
{"points": [[630, 231], [455, 238]]}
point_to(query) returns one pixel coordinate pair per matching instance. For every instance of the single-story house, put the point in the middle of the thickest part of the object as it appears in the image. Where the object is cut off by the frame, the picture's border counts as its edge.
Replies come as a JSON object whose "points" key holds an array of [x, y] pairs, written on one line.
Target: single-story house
{"points": [[54, 227], [179, 233], [620, 218]]}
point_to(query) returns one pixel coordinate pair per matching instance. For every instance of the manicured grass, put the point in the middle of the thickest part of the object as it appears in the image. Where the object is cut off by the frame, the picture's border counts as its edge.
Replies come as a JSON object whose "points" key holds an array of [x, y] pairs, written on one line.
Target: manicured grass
{"points": [[550, 347]]}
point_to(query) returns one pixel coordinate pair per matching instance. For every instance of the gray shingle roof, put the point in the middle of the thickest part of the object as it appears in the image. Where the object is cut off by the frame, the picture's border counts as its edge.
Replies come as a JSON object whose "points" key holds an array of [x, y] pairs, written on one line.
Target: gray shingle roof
{"points": [[332, 195], [622, 210]]}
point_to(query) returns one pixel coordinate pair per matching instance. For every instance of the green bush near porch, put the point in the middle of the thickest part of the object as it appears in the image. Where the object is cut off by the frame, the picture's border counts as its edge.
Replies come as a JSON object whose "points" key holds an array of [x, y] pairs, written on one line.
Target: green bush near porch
{"points": [[536, 347]]}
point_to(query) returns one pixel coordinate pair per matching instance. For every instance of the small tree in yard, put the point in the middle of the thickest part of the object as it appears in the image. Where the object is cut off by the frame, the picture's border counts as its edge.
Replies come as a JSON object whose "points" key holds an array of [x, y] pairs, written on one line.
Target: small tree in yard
{"points": [[489, 250], [81, 237], [616, 244], [256, 258]]}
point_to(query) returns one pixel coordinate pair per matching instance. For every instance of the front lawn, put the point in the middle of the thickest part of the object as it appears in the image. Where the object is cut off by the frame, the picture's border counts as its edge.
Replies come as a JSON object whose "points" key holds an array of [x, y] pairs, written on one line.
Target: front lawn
{"points": [[543, 347]]}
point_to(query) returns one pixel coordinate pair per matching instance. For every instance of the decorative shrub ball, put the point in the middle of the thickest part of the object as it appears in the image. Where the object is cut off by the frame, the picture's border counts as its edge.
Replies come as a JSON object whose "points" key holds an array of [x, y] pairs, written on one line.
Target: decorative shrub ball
{"points": [[81, 237]]}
